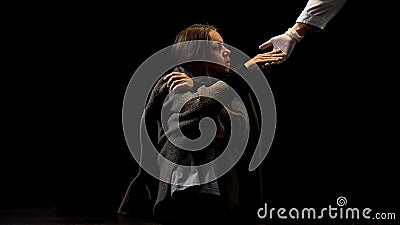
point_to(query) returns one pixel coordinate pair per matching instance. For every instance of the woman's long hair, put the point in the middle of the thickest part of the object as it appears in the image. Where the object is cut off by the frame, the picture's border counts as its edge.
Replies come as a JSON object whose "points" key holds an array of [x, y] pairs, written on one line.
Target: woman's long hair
{"points": [[187, 48]]}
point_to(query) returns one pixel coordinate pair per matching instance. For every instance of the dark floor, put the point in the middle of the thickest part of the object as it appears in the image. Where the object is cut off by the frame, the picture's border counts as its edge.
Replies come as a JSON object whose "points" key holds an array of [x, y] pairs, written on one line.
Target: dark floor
{"points": [[52, 217]]}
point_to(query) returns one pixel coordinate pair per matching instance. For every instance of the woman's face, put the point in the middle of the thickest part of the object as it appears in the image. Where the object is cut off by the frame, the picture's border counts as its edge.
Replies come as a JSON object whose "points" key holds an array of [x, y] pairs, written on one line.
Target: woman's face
{"points": [[219, 53]]}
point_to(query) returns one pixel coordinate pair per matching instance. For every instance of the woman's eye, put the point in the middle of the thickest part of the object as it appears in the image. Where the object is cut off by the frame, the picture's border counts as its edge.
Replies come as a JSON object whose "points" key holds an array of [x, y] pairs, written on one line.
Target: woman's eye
{"points": [[218, 47]]}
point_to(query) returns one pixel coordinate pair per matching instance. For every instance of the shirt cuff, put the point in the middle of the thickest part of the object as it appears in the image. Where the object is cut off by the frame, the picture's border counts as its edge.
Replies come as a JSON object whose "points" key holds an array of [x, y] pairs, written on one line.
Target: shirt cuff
{"points": [[309, 19]]}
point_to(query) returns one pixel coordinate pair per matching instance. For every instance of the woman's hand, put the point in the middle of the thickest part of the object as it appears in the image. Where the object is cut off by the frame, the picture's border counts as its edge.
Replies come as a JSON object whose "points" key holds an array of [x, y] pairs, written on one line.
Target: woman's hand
{"points": [[265, 58], [178, 82]]}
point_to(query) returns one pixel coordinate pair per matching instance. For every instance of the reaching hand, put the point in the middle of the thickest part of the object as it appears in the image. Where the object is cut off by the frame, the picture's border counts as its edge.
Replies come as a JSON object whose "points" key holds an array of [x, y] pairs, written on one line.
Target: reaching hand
{"points": [[274, 56], [286, 42], [178, 82]]}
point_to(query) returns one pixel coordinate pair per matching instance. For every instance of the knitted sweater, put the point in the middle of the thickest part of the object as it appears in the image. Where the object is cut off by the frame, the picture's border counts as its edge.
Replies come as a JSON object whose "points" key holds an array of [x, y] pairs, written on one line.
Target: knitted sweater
{"points": [[241, 189]]}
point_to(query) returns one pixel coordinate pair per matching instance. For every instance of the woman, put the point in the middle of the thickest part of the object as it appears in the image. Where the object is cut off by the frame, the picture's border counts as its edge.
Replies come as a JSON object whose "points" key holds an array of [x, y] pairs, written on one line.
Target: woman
{"points": [[197, 85]]}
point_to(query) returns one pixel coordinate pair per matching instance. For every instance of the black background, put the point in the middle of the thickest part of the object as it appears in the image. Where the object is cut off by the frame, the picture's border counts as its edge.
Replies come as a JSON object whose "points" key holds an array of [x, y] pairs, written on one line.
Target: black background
{"points": [[69, 66]]}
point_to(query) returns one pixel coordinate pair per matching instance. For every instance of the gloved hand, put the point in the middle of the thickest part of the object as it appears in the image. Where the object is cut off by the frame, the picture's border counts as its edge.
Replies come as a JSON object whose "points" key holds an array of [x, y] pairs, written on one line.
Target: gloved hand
{"points": [[286, 42]]}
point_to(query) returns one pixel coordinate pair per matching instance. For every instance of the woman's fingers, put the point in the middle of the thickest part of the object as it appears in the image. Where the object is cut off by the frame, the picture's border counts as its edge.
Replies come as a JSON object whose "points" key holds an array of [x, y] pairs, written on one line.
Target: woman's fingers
{"points": [[175, 83], [175, 76], [269, 54], [166, 77]]}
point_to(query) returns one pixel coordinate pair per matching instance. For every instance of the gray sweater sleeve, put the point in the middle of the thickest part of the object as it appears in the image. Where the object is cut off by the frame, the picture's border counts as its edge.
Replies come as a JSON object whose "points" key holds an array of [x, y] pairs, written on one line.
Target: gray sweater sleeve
{"points": [[319, 12]]}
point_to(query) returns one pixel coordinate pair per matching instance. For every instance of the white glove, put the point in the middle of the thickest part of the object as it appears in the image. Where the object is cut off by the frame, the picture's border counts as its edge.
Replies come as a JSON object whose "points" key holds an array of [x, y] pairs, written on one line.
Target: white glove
{"points": [[285, 42]]}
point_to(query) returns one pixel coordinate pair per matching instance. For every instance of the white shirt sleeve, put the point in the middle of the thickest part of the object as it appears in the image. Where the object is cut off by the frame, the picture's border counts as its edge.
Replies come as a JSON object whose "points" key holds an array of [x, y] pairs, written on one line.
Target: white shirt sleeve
{"points": [[319, 12]]}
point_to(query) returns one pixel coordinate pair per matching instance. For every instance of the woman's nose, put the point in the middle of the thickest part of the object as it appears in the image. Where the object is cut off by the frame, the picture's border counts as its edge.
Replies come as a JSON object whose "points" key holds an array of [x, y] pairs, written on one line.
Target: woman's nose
{"points": [[226, 53]]}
